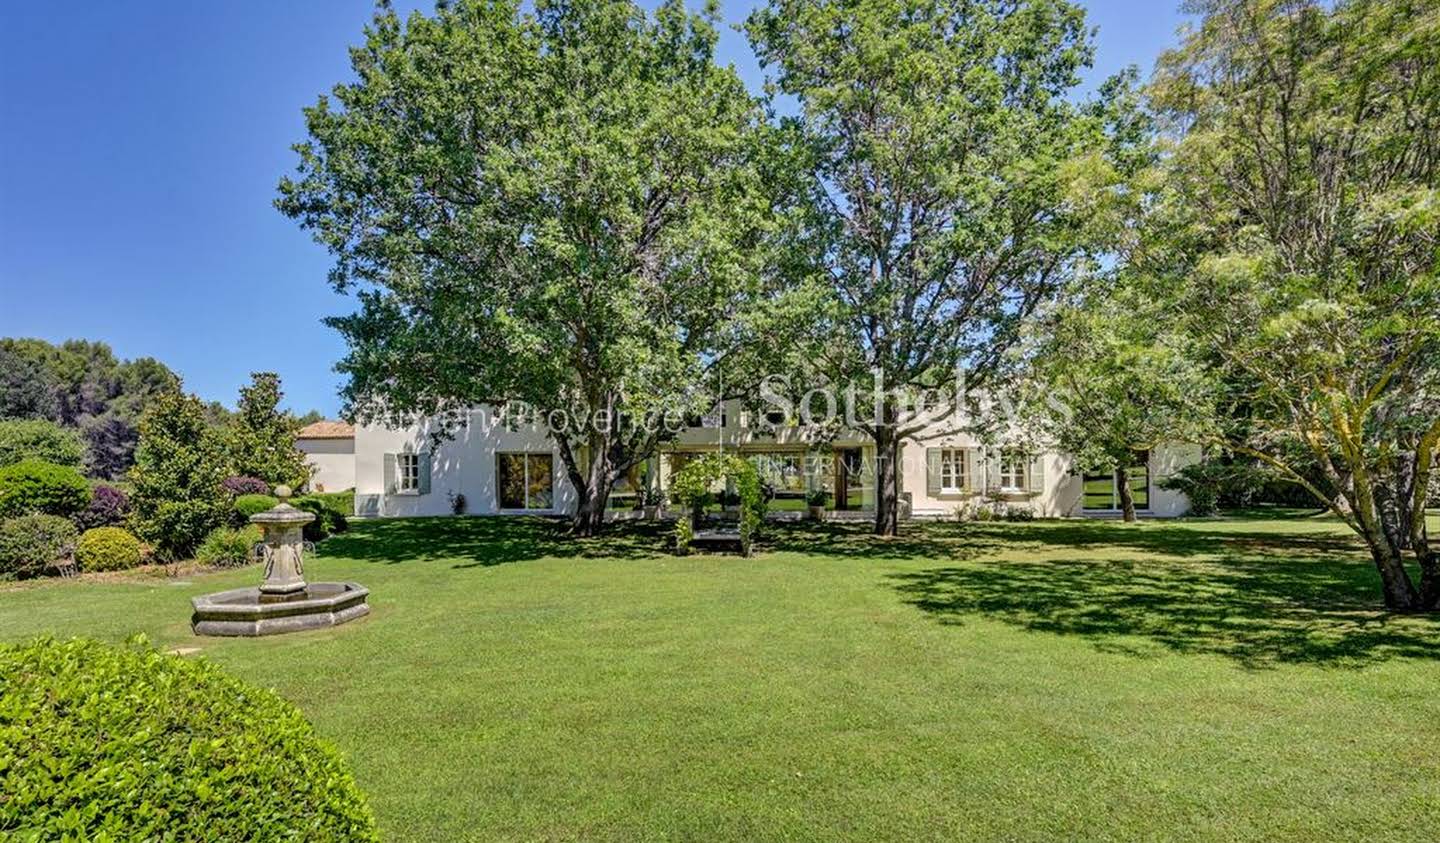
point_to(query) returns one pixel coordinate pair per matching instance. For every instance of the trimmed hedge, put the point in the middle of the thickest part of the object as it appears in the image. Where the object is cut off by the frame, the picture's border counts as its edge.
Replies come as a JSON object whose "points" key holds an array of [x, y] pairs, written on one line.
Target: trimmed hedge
{"points": [[31, 486], [30, 543], [248, 505], [107, 549], [124, 743], [327, 520]]}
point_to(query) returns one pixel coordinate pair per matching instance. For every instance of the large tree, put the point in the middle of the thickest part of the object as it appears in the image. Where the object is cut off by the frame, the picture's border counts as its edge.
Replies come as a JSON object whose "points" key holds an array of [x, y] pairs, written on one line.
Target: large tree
{"points": [[549, 208], [1118, 381], [260, 438], [179, 466], [1298, 232], [946, 167]]}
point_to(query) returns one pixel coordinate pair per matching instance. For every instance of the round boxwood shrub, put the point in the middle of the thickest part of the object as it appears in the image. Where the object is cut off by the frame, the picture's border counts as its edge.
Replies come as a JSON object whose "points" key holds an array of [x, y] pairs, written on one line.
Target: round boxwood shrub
{"points": [[248, 505], [37, 486], [107, 549], [127, 743], [30, 543]]}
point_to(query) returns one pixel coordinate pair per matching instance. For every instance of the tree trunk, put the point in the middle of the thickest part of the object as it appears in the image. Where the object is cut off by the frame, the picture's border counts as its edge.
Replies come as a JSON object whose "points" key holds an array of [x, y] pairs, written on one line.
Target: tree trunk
{"points": [[1127, 495], [1400, 594], [887, 480], [589, 518]]}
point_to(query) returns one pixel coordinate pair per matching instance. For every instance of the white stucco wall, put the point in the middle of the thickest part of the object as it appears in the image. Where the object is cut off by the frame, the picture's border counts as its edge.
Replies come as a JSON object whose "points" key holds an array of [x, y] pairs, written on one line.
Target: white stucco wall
{"points": [[332, 463], [466, 464], [463, 464]]}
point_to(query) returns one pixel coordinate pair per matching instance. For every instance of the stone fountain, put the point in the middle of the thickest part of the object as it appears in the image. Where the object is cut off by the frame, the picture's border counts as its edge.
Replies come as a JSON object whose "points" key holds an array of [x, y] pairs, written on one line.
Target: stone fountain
{"points": [[284, 602]]}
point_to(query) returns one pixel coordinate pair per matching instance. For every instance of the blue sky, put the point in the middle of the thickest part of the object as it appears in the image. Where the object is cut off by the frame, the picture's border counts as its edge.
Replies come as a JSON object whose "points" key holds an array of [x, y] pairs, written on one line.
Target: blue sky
{"points": [[140, 144]]}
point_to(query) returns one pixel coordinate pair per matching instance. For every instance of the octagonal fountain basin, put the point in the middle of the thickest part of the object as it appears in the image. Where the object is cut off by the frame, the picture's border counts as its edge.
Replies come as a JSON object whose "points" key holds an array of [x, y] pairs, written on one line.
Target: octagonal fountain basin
{"points": [[251, 612]]}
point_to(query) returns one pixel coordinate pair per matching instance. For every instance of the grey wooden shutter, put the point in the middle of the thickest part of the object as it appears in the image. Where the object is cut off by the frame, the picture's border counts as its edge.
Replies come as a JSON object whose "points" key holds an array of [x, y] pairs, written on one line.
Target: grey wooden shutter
{"points": [[932, 471], [389, 474], [1037, 473], [971, 461], [423, 461]]}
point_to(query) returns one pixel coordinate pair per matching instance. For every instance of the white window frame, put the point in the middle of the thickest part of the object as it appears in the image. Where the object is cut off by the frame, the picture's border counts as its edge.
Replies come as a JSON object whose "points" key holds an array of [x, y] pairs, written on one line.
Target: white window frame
{"points": [[407, 474], [952, 470], [1014, 471]]}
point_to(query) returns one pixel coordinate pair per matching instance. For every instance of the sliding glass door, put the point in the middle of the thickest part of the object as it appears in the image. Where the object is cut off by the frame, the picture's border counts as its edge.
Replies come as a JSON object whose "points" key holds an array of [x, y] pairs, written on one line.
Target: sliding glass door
{"points": [[1102, 491]]}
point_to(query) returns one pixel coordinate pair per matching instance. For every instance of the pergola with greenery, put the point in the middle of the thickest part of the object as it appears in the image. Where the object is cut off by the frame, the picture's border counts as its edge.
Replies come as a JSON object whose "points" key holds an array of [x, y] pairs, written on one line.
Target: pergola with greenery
{"points": [[692, 487]]}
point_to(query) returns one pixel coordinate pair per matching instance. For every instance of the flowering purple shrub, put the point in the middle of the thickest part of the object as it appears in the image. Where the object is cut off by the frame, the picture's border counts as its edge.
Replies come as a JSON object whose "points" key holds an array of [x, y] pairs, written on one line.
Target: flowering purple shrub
{"points": [[241, 485], [108, 507]]}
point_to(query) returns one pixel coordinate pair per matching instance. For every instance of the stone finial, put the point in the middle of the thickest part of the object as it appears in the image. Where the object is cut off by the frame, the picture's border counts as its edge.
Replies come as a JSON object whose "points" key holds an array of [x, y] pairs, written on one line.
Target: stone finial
{"points": [[283, 492]]}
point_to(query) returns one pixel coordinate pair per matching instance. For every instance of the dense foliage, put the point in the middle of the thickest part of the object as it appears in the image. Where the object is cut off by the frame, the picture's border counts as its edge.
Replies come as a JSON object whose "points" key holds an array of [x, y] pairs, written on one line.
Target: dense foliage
{"points": [[127, 743], [553, 206], [241, 485], [108, 507], [81, 386], [229, 546], [33, 485], [1294, 232], [107, 549], [694, 486], [248, 505], [949, 187], [260, 440], [39, 439], [178, 470], [1118, 382], [31, 543], [327, 519]]}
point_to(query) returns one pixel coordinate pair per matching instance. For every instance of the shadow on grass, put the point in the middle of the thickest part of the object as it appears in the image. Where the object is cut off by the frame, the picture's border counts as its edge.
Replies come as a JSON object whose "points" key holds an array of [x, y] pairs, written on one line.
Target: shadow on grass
{"points": [[482, 542], [969, 540], [1258, 606]]}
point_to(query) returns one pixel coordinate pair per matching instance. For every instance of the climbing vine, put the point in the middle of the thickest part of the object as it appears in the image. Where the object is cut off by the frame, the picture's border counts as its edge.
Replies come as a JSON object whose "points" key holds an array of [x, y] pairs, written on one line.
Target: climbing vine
{"points": [[691, 487]]}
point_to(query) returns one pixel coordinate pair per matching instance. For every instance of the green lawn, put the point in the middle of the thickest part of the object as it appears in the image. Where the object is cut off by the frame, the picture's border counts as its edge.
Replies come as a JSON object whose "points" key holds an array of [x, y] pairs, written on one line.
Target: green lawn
{"points": [[1199, 680]]}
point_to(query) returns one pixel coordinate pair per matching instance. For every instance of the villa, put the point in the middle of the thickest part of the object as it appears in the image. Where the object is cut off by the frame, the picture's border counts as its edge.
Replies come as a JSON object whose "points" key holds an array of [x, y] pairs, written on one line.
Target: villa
{"points": [[502, 470]]}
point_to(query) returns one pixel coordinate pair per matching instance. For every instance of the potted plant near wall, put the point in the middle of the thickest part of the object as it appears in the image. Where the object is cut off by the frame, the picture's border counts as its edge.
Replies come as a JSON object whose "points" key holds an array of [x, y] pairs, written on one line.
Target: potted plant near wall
{"points": [[815, 504], [650, 503]]}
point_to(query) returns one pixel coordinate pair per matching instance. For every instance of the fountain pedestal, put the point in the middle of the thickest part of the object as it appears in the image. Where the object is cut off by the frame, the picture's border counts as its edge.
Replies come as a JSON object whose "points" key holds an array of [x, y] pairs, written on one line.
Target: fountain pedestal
{"points": [[282, 528], [284, 602]]}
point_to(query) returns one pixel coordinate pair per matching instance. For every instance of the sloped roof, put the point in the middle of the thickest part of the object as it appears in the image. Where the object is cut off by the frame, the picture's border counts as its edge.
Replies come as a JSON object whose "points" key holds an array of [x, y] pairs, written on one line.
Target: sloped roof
{"points": [[327, 430]]}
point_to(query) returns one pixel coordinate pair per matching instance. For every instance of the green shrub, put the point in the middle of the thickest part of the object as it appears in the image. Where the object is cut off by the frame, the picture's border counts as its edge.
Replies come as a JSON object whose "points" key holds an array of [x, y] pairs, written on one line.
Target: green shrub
{"points": [[179, 466], [319, 529], [248, 505], [225, 546], [38, 486], [340, 503], [1202, 483], [107, 549], [29, 543], [39, 439], [127, 743]]}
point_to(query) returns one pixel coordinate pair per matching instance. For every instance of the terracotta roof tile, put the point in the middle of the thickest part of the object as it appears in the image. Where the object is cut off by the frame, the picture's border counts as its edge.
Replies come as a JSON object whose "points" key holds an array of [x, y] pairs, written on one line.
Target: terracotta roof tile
{"points": [[327, 430]]}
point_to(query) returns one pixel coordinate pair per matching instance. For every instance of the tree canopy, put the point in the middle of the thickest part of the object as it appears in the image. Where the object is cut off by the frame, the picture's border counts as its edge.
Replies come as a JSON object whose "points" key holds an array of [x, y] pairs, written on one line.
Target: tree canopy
{"points": [[947, 179], [548, 208], [1294, 233]]}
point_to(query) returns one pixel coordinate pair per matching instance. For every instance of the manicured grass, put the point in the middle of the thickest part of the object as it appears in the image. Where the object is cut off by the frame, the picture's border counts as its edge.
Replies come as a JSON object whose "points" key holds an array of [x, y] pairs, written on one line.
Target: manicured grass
{"points": [[1201, 680]]}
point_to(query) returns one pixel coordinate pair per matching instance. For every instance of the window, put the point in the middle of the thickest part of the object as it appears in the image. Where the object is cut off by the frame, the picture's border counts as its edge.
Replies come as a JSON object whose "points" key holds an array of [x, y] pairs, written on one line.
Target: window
{"points": [[1012, 470], [952, 470], [407, 473], [526, 481]]}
